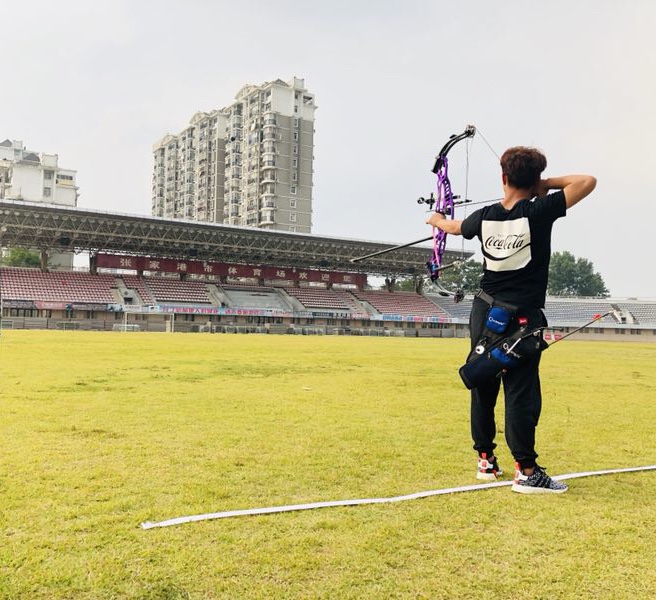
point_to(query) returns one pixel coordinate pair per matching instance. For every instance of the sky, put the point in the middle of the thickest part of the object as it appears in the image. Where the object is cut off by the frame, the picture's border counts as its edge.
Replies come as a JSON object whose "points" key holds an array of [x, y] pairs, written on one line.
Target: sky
{"points": [[98, 83]]}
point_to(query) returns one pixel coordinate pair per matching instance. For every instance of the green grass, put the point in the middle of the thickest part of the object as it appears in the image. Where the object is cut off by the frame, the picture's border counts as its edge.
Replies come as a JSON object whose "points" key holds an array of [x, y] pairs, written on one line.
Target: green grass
{"points": [[102, 431]]}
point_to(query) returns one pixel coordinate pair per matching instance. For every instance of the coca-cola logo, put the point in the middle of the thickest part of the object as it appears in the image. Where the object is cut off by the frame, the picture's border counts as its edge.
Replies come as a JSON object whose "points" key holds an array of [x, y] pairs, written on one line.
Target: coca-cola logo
{"points": [[507, 242]]}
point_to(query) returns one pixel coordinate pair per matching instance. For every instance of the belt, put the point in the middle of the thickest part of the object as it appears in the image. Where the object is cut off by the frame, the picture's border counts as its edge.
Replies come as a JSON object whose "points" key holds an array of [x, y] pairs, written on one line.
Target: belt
{"points": [[485, 297], [490, 301]]}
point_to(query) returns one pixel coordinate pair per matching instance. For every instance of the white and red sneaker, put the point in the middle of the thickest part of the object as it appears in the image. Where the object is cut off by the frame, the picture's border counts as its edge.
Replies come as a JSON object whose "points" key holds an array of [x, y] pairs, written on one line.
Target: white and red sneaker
{"points": [[488, 468]]}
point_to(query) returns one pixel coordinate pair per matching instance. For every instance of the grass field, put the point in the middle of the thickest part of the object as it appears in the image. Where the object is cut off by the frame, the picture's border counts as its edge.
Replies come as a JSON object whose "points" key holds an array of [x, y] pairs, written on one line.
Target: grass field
{"points": [[102, 431]]}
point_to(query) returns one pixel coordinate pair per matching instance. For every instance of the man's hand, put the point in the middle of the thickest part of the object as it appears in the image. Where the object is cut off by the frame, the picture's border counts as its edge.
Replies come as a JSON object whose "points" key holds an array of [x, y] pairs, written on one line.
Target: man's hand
{"points": [[575, 187], [435, 218], [447, 225]]}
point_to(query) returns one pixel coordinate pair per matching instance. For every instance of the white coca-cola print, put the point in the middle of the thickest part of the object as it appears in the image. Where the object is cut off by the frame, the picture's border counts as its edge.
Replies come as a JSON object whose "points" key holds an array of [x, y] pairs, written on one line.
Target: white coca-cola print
{"points": [[506, 244]]}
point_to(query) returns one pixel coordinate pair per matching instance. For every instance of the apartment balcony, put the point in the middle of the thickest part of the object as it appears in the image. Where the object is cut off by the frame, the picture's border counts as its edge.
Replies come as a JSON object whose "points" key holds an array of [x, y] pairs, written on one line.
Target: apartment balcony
{"points": [[268, 176], [267, 217]]}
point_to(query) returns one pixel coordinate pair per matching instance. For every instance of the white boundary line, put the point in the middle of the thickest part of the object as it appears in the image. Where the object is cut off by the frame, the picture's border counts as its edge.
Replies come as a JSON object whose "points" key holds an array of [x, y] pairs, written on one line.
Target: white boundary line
{"points": [[296, 507]]}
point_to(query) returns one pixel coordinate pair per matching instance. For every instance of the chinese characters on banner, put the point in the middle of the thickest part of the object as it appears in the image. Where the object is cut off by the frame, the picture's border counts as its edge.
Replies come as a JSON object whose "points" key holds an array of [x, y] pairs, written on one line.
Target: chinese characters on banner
{"points": [[197, 267]]}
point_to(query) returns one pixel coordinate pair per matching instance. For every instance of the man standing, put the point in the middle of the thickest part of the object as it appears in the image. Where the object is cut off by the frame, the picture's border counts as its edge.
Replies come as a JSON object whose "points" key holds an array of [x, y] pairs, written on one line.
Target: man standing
{"points": [[515, 236]]}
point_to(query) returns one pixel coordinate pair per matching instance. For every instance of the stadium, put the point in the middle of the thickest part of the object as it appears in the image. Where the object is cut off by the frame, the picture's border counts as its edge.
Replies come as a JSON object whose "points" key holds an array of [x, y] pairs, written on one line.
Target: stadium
{"points": [[114, 445], [150, 274]]}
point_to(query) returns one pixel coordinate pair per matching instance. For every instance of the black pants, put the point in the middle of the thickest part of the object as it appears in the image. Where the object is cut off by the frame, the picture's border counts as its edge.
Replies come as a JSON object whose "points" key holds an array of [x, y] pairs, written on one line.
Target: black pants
{"points": [[523, 397]]}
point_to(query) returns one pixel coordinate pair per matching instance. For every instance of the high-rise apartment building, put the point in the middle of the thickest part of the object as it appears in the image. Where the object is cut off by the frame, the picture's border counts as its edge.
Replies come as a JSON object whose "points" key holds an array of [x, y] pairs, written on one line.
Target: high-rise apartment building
{"points": [[247, 164]]}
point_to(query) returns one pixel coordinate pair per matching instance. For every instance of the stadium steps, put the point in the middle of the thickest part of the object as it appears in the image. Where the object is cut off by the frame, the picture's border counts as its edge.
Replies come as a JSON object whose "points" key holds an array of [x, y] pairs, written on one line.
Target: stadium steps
{"points": [[124, 293], [295, 303], [215, 294], [354, 304]]}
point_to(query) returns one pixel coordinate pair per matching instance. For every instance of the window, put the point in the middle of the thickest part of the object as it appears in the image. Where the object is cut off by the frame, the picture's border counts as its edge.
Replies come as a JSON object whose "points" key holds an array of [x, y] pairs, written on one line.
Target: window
{"points": [[294, 176], [292, 203], [47, 192], [292, 190], [295, 148], [295, 163], [296, 122], [47, 175], [292, 217], [296, 135]]}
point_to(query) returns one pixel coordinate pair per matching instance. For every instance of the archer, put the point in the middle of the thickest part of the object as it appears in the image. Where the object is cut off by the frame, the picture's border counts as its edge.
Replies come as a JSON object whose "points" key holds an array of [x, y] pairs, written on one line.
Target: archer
{"points": [[515, 237]]}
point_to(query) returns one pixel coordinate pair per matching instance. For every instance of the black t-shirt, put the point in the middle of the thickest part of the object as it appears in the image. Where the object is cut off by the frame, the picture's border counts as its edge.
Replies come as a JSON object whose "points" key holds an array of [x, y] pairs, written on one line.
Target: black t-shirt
{"points": [[516, 246]]}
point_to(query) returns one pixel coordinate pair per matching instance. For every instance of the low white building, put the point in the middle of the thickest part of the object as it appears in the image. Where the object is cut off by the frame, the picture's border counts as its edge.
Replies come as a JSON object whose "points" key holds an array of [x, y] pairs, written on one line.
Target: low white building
{"points": [[36, 177]]}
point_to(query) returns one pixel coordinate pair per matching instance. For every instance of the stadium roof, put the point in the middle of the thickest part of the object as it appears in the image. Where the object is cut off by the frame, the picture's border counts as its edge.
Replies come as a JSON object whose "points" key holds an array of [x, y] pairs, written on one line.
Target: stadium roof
{"points": [[58, 229]]}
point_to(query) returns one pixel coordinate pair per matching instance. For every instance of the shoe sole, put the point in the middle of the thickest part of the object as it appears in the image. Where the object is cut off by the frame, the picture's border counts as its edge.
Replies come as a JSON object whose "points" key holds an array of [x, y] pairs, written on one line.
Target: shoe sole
{"points": [[487, 476], [525, 489]]}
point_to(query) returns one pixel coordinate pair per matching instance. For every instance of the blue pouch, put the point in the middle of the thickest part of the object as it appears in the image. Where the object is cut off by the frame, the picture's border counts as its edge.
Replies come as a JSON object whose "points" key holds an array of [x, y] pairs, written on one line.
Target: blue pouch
{"points": [[498, 318]]}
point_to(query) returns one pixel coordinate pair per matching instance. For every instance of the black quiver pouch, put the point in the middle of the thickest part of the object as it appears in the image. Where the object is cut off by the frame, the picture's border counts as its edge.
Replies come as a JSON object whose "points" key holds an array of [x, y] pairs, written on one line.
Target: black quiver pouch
{"points": [[501, 356]]}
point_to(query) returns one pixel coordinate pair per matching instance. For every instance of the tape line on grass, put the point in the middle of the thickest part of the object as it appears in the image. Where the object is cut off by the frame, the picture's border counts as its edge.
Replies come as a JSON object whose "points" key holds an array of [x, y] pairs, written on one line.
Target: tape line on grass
{"points": [[329, 504]]}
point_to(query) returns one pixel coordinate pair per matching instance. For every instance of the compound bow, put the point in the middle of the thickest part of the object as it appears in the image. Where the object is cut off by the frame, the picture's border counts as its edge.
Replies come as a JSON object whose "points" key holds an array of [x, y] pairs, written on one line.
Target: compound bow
{"points": [[444, 204]]}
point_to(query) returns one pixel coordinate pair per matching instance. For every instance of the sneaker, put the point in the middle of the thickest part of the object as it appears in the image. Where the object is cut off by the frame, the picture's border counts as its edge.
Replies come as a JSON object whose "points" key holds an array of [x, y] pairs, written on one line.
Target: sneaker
{"points": [[538, 483], [488, 468]]}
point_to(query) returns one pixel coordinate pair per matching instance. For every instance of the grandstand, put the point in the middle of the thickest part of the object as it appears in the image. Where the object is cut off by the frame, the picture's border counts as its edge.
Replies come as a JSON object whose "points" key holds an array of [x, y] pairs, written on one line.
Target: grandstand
{"points": [[32, 298], [149, 272], [58, 286]]}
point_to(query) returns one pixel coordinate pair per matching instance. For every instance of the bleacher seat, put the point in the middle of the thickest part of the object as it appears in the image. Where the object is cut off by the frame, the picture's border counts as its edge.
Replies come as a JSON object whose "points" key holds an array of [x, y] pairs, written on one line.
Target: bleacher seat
{"points": [[401, 303], [164, 289], [576, 311], [136, 283], [57, 286], [255, 297], [644, 313], [312, 297]]}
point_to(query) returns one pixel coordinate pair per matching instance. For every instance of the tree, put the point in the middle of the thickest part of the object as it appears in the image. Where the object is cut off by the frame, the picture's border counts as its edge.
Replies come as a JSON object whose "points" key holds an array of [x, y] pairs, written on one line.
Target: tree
{"points": [[411, 284], [22, 257], [466, 275], [571, 276]]}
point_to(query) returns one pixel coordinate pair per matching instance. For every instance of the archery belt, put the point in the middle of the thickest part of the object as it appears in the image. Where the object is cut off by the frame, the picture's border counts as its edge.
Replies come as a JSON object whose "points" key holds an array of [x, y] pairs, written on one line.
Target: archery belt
{"points": [[487, 362], [505, 342]]}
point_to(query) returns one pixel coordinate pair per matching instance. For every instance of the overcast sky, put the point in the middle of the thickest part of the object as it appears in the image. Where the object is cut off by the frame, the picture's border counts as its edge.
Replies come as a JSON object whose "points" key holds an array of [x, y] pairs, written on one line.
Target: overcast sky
{"points": [[99, 82]]}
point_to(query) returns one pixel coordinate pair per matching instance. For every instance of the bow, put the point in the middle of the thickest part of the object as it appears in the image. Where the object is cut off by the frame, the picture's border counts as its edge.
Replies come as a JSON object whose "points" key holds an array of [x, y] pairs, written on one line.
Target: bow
{"points": [[444, 204]]}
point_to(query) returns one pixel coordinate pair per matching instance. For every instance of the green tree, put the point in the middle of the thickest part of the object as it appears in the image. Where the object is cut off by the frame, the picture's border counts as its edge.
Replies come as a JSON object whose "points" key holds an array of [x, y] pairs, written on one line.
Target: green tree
{"points": [[22, 257], [571, 276], [411, 284], [466, 274]]}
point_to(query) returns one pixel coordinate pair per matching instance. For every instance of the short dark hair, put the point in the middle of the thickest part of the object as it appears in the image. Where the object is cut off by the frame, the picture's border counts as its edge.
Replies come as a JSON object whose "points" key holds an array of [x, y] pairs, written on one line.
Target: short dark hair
{"points": [[523, 166]]}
